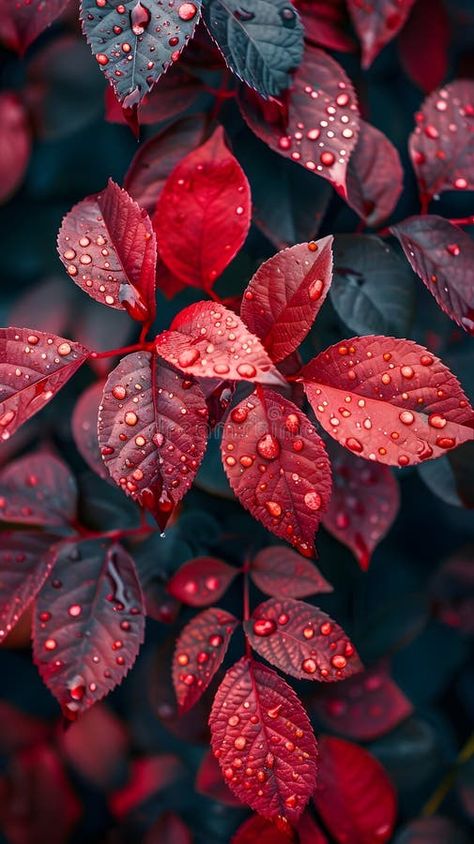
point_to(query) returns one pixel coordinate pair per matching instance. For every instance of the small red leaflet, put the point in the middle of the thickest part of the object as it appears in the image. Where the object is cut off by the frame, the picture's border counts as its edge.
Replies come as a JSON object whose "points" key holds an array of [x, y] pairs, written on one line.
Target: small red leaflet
{"points": [[376, 23], [201, 581], [281, 572], [21, 23], [38, 489]]}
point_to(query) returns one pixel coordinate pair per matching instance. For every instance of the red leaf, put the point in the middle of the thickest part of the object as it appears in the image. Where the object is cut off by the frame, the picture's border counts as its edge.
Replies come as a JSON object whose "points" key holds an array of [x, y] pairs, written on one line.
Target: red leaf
{"points": [[96, 746], [84, 428], [301, 640], [37, 489], [285, 295], [277, 466], [364, 707], [89, 622], [176, 92], [364, 503], [257, 719], [15, 143], [210, 782], [376, 23], [209, 341], [435, 39], [203, 213], [168, 829], [34, 365], [154, 160], [443, 158], [23, 568], [280, 572], [371, 195], [354, 796], [259, 829], [21, 23], [388, 400], [443, 256], [201, 581], [107, 244], [200, 649], [148, 776], [319, 84], [325, 22], [146, 408]]}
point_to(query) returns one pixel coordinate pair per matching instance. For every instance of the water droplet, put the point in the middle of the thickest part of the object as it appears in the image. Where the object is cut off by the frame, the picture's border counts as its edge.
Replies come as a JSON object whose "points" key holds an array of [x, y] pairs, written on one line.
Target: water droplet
{"points": [[50, 644], [309, 666], [246, 370], [312, 500], [264, 627], [406, 417], [140, 18], [268, 447], [339, 661], [453, 249], [103, 60], [437, 421], [240, 742], [131, 418], [188, 357], [273, 508], [75, 610], [354, 445], [187, 11]]}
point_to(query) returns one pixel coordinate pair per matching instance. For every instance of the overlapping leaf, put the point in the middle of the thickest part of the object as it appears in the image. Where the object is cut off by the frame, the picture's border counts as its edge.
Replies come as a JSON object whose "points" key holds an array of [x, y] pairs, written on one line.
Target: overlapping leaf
{"points": [[107, 244], [376, 23], [277, 466], [280, 572], [211, 783], [325, 24], [15, 143], [152, 431], [388, 400], [178, 90], [24, 565], [201, 581], [84, 428], [258, 829], [200, 649], [285, 294], [37, 489], [263, 740], [370, 193], [22, 22]]}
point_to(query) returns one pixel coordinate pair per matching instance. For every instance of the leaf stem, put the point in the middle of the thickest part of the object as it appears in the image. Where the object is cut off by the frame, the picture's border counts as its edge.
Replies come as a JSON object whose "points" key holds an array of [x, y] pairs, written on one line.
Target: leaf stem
{"points": [[443, 789], [246, 607], [122, 350], [124, 533], [463, 221]]}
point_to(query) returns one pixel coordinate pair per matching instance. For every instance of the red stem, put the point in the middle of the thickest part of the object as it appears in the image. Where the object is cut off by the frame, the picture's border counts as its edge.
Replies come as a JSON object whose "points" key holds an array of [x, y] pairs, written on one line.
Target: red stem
{"points": [[83, 532], [463, 221], [246, 608], [123, 350], [424, 203]]}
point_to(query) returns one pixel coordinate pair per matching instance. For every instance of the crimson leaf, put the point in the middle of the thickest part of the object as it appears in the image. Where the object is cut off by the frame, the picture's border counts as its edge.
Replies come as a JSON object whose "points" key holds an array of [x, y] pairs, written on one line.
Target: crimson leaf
{"points": [[37, 489], [325, 24], [301, 640], [209, 189], [24, 565], [277, 466], [89, 622], [200, 649], [280, 572], [388, 400], [354, 796], [376, 23], [285, 295], [443, 256], [435, 39], [201, 581], [84, 428], [152, 431], [21, 23], [211, 783], [15, 143], [261, 45], [152, 35], [34, 365], [258, 829], [372, 196], [107, 244]]}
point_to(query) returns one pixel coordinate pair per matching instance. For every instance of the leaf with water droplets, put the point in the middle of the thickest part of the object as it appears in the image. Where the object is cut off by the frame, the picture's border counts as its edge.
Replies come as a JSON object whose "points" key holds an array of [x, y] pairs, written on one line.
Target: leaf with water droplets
{"points": [[201, 581], [152, 431], [34, 365], [364, 503], [364, 707], [262, 45], [388, 400], [376, 23], [434, 830], [301, 640], [259, 829], [211, 783], [280, 572], [135, 42], [203, 213], [354, 795], [107, 244], [277, 466], [442, 145], [319, 123], [89, 622], [22, 22], [24, 566], [284, 296], [369, 193], [200, 649], [209, 341], [442, 255], [15, 143], [263, 740], [84, 428], [38, 489]]}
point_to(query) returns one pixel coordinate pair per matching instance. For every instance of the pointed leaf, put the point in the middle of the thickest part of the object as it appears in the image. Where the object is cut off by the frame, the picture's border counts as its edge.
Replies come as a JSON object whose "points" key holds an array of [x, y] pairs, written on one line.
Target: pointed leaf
{"points": [[178, 90], [364, 503], [211, 783], [376, 23], [371, 195], [209, 341], [15, 143], [107, 244], [296, 132], [388, 400], [24, 566], [21, 23], [262, 45], [84, 428], [201, 581], [442, 145], [149, 28], [203, 213], [89, 622], [257, 718], [443, 256], [152, 431], [34, 365], [284, 296], [354, 795], [280, 572], [200, 649], [37, 489], [301, 640], [277, 466]]}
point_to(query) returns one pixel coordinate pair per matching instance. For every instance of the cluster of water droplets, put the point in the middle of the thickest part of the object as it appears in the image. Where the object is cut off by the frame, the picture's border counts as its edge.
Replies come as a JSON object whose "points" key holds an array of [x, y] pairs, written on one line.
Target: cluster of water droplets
{"points": [[199, 652]]}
